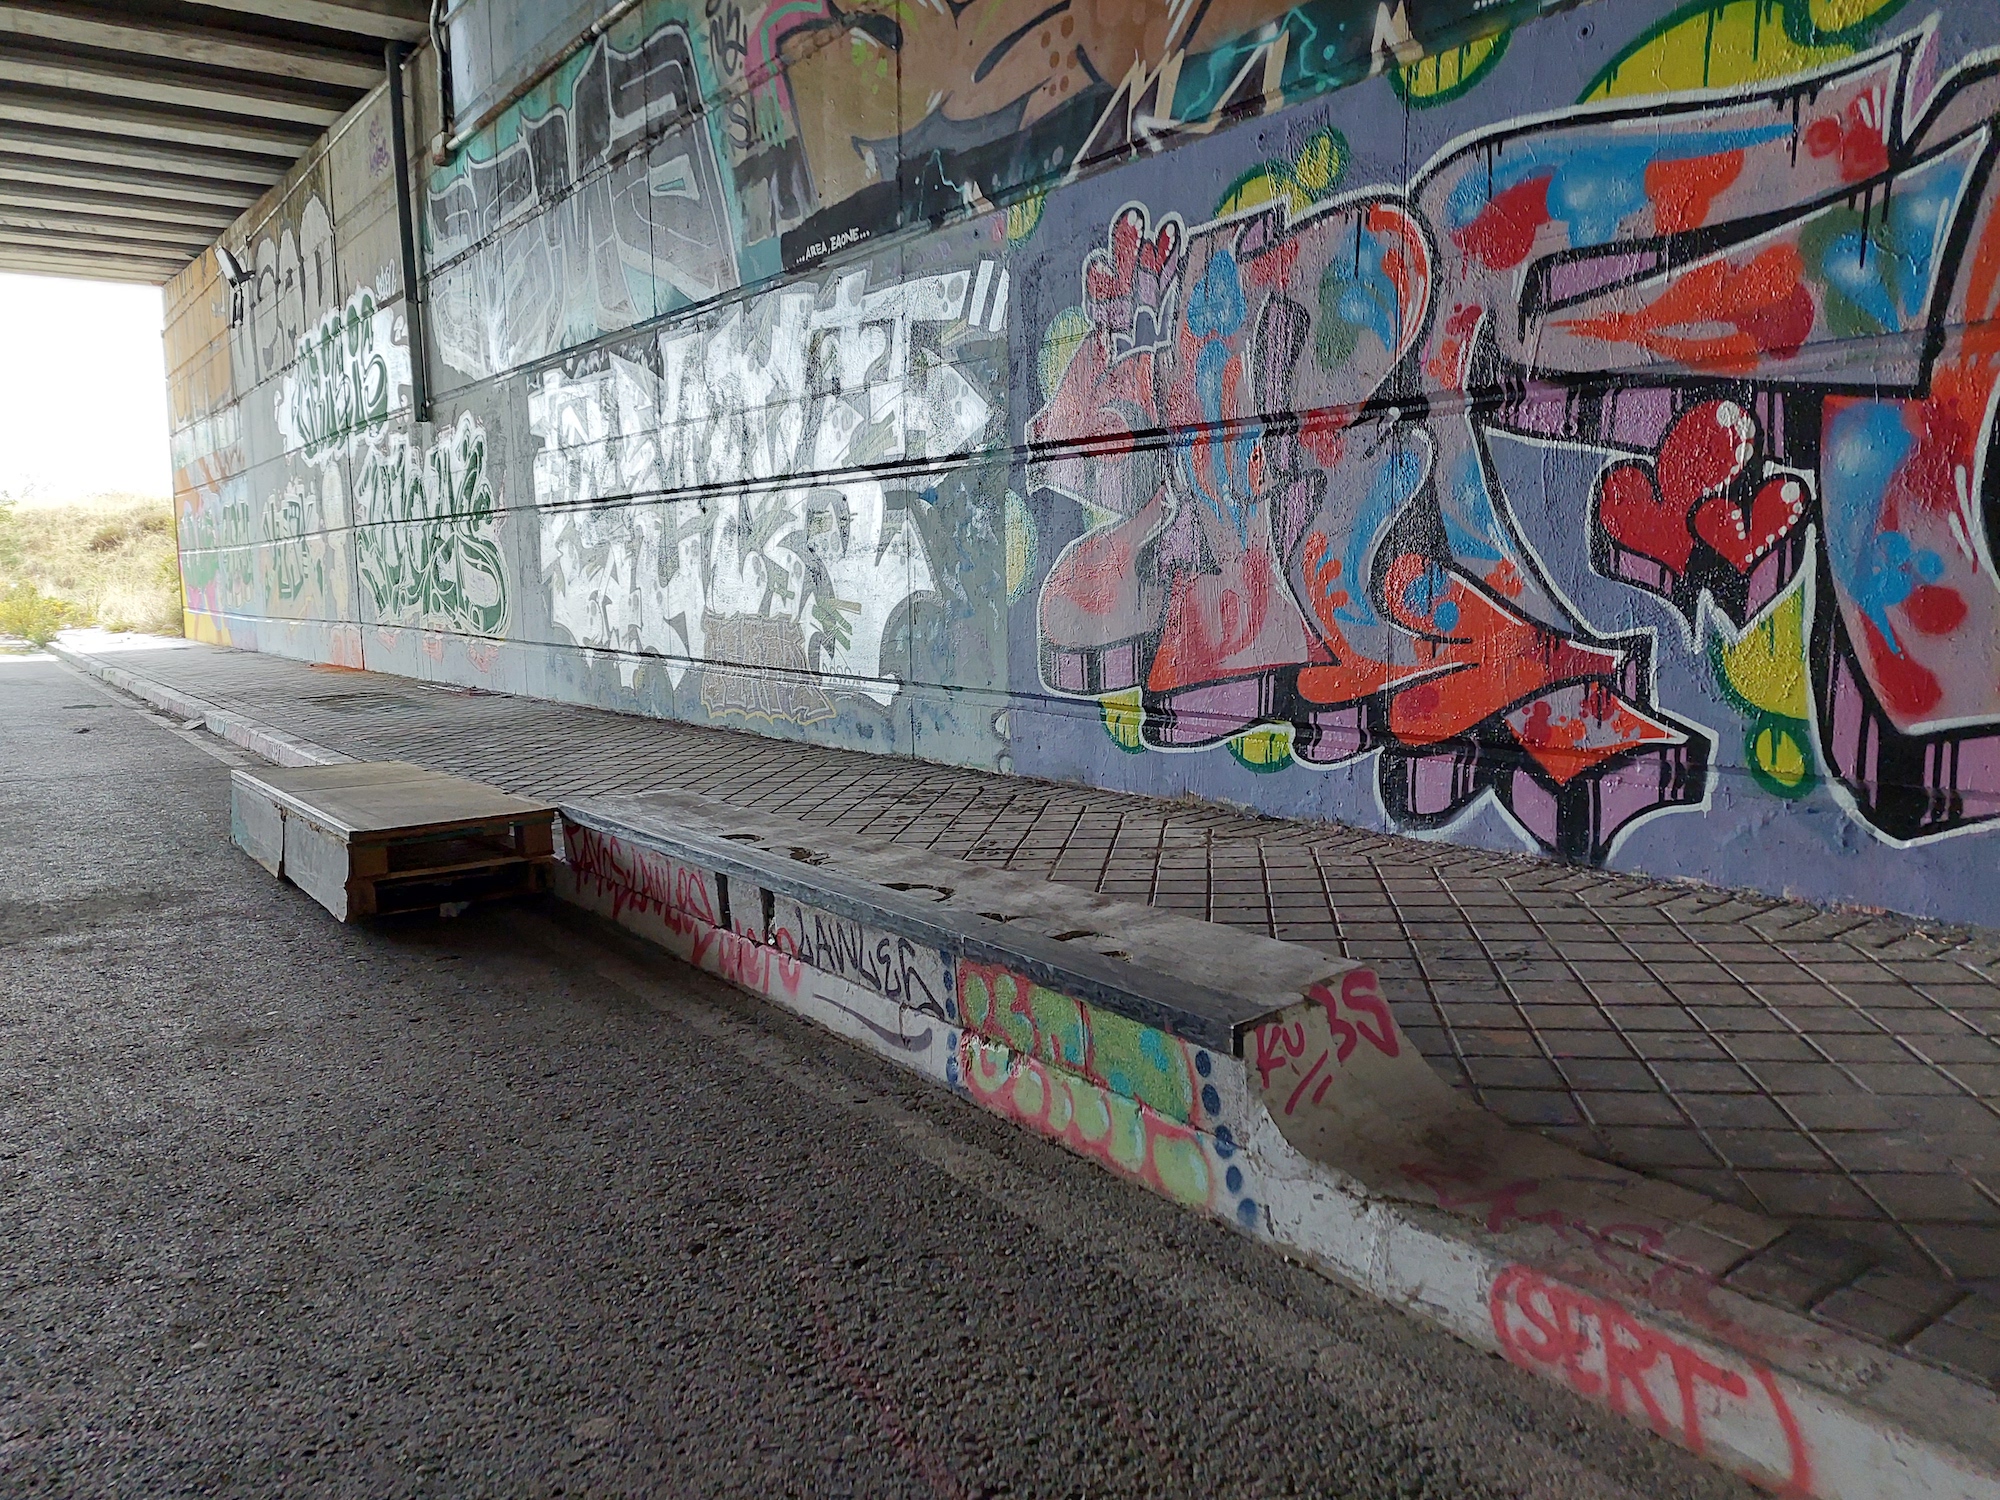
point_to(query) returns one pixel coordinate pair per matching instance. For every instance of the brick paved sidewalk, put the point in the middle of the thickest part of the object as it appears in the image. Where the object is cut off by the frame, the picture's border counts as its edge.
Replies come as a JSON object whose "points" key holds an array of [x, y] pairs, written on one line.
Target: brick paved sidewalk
{"points": [[1833, 1069]]}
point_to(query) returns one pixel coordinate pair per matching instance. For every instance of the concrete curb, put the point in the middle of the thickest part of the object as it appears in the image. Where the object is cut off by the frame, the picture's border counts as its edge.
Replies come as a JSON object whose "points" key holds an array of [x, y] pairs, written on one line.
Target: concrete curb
{"points": [[258, 739], [1267, 1085]]}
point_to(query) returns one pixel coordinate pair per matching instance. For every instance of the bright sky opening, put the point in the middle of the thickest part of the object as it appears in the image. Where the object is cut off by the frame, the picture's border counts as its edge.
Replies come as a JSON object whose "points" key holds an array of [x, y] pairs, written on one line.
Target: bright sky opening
{"points": [[83, 393]]}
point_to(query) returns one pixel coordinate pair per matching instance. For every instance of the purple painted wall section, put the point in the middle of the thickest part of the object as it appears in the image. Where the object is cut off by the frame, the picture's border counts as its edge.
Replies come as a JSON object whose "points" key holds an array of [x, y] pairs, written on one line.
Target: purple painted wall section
{"points": [[1571, 434]]}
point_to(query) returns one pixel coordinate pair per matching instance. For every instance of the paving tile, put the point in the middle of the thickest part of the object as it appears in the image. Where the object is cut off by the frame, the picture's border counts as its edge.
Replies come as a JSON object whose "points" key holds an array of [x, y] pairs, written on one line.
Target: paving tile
{"points": [[1728, 1026], [1966, 999], [1901, 1078], [1959, 1349], [1495, 1042], [1654, 1018], [1513, 1073], [1620, 993], [1863, 1049], [1933, 1197], [1820, 1022], [1978, 1313], [1663, 1147], [1828, 1110], [1711, 1182], [1532, 1106], [1675, 1045], [1935, 971], [1706, 1077], [1792, 1194], [1602, 1042], [1952, 1113], [1785, 1047], [1800, 1268], [1785, 1148], [1802, 1078], [1929, 1026], [1733, 1111], [1607, 1073], [1886, 1305], [1618, 1109], [1753, 1231], [1982, 1079], [1772, 972]]}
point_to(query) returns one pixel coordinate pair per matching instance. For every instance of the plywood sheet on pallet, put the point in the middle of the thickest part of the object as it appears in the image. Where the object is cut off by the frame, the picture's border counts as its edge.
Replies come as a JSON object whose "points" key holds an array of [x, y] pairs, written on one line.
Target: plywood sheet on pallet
{"points": [[375, 836]]}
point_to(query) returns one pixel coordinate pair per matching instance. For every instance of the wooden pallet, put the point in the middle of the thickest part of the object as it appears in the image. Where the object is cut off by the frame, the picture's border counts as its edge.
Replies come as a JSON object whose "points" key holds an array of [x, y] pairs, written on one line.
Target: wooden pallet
{"points": [[371, 837]]}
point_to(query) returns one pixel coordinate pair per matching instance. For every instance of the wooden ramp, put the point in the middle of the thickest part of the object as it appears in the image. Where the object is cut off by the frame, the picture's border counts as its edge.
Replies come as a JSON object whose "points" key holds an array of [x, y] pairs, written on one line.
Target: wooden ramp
{"points": [[371, 837]]}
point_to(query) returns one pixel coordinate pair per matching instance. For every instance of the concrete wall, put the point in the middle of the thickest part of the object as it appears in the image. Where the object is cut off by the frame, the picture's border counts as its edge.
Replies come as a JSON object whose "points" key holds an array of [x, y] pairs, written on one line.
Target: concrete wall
{"points": [[1567, 433]]}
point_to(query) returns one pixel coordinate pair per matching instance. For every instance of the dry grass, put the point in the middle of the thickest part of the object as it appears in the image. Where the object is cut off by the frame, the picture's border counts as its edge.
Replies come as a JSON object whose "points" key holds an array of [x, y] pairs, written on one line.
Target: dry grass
{"points": [[111, 558]]}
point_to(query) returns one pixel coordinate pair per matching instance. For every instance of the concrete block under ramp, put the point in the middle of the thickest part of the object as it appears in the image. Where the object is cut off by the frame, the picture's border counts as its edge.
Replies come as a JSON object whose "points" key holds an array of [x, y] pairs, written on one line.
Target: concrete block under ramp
{"points": [[366, 838]]}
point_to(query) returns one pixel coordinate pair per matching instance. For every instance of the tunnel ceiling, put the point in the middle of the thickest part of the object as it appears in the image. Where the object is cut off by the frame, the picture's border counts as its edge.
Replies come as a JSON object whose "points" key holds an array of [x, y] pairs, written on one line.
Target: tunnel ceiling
{"points": [[132, 133]]}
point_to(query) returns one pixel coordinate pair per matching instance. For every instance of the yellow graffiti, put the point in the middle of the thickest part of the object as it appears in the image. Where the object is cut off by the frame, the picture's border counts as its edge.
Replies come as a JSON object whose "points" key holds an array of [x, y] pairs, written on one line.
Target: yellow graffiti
{"points": [[1763, 672], [1021, 545], [1266, 748], [1728, 43], [1312, 174], [1066, 333], [1447, 74], [1023, 215], [1766, 668], [1776, 750], [1123, 716], [1845, 15]]}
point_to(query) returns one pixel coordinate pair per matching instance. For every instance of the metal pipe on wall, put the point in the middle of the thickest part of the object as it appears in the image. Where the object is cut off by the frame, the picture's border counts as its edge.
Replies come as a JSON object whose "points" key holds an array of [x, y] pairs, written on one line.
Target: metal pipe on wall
{"points": [[399, 150]]}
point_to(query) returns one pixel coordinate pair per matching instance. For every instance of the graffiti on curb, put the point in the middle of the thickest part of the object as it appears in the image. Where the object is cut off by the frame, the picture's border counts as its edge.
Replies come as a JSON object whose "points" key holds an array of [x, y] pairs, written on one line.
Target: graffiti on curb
{"points": [[1605, 1354]]}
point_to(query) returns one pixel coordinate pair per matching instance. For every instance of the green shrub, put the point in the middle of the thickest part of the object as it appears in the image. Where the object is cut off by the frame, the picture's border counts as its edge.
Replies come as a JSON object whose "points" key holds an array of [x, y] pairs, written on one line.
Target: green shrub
{"points": [[28, 614]]}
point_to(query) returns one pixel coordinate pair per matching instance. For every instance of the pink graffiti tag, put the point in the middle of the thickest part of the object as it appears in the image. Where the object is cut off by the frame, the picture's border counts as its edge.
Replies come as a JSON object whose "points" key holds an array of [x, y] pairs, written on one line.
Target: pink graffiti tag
{"points": [[678, 896], [1277, 1046], [1605, 1354], [1459, 1190]]}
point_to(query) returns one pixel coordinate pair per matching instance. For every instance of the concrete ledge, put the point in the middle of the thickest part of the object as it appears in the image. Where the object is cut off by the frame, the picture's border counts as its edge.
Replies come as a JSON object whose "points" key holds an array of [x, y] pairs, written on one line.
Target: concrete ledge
{"points": [[1268, 1086], [1314, 1126]]}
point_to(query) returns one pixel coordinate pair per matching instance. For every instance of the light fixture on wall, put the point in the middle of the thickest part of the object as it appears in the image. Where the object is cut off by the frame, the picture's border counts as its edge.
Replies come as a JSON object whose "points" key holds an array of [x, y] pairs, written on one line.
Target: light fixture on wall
{"points": [[238, 278]]}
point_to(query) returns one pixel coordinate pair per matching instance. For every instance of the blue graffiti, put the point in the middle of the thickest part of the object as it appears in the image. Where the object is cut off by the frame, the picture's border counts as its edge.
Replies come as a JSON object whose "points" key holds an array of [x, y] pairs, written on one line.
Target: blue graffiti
{"points": [[1888, 273], [1890, 572], [1424, 597], [1215, 311], [1397, 478], [1362, 294], [1866, 444], [1594, 186]]}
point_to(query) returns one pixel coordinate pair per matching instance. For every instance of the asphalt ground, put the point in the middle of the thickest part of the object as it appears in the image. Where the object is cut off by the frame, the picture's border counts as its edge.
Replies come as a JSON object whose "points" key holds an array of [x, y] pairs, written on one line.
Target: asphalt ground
{"points": [[511, 1205]]}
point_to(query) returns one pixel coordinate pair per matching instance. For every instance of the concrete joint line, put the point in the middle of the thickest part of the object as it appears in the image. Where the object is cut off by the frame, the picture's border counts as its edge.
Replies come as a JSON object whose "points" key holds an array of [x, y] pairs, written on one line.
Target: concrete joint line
{"points": [[1268, 1087]]}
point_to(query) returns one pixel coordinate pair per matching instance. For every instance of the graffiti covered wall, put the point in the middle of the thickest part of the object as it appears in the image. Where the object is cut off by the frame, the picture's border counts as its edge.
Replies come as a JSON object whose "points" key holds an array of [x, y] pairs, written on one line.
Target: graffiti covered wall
{"points": [[1568, 433]]}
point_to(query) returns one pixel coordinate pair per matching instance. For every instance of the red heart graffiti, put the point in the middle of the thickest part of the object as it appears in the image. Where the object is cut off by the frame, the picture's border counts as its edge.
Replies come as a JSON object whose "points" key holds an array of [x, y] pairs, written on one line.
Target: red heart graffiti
{"points": [[1706, 448], [1774, 511], [1638, 519]]}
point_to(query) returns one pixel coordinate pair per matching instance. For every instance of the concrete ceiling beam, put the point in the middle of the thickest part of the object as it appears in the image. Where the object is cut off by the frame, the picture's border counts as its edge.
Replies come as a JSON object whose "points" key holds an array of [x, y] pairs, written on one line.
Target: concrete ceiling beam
{"points": [[167, 239], [83, 242], [178, 88], [72, 23], [90, 265], [174, 127], [136, 160], [383, 20], [132, 134], [71, 198]]}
